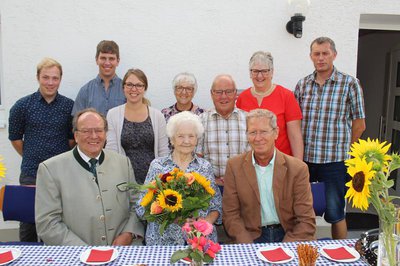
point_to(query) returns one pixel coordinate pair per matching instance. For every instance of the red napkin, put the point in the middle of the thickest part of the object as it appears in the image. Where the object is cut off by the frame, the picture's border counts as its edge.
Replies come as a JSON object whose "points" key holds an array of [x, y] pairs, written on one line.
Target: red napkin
{"points": [[338, 253], [100, 255], [277, 254], [6, 257]]}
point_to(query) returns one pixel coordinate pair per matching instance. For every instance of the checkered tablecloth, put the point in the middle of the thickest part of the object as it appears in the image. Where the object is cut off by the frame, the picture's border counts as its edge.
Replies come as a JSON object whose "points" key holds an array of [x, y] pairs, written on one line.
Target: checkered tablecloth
{"points": [[240, 255]]}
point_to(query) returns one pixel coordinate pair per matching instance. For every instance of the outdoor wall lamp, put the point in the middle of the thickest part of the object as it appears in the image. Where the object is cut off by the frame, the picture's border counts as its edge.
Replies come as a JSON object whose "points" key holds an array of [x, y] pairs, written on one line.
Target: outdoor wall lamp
{"points": [[297, 9]]}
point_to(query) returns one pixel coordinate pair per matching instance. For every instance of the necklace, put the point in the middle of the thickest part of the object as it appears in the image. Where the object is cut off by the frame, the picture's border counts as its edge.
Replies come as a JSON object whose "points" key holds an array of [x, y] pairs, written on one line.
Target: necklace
{"points": [[262, 94]]}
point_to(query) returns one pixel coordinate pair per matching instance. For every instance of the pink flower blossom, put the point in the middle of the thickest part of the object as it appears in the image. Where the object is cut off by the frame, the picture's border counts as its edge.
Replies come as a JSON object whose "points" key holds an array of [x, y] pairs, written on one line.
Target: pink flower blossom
{"points": [[186, 228], [155, 208], [203, 227], [189, 178], [214, 247]]}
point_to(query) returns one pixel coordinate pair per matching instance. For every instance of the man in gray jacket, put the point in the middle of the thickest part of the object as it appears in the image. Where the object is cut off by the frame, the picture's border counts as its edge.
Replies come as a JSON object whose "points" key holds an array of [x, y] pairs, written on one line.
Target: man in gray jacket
{"points": [[80, 197]]}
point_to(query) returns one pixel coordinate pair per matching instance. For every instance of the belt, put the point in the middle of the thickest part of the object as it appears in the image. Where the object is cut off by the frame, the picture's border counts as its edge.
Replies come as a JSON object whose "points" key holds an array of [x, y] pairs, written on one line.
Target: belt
{"points": [[273, 226]]}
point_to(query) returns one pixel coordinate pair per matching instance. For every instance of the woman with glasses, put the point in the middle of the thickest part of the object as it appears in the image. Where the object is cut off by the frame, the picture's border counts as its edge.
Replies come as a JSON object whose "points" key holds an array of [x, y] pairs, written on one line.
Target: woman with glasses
{"points": [[136, 129], [267, 95], [185, 87]]}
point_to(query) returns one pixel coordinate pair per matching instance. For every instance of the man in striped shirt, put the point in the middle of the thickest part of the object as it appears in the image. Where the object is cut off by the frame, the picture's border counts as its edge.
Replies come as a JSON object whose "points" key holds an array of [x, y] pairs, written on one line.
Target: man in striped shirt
{"points": [[333, 117]]}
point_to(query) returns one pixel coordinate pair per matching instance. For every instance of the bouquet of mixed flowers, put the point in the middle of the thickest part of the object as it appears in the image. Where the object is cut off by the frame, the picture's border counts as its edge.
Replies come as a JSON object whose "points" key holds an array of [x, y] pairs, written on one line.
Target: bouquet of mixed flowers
{"points": [[200, 248], [176, 196]]}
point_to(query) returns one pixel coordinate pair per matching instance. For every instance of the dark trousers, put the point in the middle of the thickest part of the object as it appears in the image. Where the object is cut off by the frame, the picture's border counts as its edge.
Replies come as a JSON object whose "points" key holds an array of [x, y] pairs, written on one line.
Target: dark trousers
{"points": [[27, 231], [270, 234]]}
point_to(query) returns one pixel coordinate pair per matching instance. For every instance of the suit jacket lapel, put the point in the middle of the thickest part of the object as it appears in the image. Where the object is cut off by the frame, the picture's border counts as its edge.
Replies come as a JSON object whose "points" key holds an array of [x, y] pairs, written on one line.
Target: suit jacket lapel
{"points": [[250, 172]]}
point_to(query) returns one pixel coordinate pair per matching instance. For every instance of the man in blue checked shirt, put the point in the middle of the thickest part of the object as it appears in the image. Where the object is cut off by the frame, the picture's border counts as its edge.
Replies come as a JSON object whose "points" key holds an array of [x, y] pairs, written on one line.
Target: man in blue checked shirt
{"points": [[333, 110], [105, 91], [40, 127]]}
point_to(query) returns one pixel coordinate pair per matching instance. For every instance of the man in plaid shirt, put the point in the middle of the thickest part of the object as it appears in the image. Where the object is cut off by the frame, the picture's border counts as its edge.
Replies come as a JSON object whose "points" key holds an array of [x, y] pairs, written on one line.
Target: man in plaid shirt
{"points": [[333, 117], [224, 128]]}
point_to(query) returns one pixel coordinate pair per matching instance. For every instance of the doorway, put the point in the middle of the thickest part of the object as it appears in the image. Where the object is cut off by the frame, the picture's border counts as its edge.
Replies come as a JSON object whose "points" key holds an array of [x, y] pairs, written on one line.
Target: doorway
{"points": [[378, 69]]}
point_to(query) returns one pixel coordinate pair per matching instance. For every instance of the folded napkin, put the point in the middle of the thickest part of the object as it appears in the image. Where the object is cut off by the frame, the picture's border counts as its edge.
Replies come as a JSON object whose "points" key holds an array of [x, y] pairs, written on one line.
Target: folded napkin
{"points": [[6, 256], [100, 255], [338, 253], [277, 254]]}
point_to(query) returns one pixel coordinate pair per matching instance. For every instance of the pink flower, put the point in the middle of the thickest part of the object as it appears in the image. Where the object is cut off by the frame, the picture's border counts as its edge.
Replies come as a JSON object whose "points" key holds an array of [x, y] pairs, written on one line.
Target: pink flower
{"points": [[189, 178], [186, 228], [203, 227], [202, 241], [210, 253], [214, 247], [155, 208]]}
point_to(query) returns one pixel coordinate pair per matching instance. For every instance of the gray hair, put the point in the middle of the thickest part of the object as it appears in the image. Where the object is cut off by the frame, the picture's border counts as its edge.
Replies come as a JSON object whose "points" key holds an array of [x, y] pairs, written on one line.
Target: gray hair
{"points": [[184, 117], [262, 57], [88, 110], [185, 77], [221, 76], [260, 113], [321, 40]]}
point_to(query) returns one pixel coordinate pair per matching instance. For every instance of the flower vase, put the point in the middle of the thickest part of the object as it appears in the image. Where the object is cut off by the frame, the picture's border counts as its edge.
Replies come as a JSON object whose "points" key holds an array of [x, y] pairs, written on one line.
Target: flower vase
{"points": [[196, 263], [389, 239]]}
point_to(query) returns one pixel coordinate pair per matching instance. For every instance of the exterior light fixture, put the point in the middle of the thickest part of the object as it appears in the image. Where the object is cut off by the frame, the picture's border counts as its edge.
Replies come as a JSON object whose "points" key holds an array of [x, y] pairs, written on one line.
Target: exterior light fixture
{"points": [[298, 10]]}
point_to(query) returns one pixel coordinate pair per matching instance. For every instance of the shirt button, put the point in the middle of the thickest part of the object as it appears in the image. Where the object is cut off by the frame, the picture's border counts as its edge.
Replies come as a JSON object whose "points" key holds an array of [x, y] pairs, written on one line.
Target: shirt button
{"points": [[227, 143], [102, 217], [98, 197], [103, 238]]}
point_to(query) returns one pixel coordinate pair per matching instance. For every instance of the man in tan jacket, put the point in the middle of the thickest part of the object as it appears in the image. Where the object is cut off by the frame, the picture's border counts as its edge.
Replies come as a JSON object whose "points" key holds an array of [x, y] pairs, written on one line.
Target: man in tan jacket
{"points": [[267, 195]]}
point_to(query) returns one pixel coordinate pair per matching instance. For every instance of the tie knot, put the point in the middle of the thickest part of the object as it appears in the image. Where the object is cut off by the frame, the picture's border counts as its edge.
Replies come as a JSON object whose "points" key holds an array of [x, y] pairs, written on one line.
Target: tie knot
{"points": [[93, 161]]}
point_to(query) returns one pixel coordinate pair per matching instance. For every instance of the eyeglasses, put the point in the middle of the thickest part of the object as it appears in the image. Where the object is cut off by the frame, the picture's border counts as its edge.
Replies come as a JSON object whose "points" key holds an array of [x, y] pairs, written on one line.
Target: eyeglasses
{"points": [[263, 72], [89, 131], [137, 86], [229, 92], [180, 89], [262, 133], [123, 187]]}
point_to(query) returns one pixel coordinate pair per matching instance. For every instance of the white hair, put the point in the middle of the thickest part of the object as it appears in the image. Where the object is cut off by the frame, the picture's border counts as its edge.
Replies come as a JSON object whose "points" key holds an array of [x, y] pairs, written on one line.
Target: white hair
{"points": [[184, 117]]}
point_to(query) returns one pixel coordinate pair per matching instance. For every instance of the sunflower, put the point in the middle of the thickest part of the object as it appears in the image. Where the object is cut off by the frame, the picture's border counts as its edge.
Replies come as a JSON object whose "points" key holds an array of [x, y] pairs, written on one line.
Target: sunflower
{"points": [[170, 200], [373, 151], [147, 198], [358, 191], [206, 184], [2, 169]]}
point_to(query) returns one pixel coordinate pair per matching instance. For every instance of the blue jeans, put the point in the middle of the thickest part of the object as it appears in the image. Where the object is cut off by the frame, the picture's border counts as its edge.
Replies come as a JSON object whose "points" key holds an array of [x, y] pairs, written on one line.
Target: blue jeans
{"points": [[270, 235], [334, 175]]}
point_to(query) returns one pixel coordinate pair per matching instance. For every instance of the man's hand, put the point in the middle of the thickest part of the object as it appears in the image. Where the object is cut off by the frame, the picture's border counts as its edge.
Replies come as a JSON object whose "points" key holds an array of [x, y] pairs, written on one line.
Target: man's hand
{"points": [[124, 239]]}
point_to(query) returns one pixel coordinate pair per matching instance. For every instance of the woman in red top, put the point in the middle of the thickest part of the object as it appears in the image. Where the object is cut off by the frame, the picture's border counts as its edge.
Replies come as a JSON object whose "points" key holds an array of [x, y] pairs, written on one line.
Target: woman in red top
{"points": [[267, 95]]}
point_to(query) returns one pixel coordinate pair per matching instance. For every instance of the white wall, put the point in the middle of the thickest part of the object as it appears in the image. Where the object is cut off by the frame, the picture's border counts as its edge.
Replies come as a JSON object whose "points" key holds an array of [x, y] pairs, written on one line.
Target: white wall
{"points": [[164, 38]]}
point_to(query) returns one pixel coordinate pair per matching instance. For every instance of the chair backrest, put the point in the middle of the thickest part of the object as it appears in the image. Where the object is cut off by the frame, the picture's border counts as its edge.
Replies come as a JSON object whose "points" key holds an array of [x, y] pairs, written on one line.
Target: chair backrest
{"points": [[319, 202], [19, 203]]}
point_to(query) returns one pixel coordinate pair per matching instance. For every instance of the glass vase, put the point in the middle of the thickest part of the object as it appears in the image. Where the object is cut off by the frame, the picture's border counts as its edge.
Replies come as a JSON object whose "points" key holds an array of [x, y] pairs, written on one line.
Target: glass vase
{"points": [[196, 263], [389, 240]]}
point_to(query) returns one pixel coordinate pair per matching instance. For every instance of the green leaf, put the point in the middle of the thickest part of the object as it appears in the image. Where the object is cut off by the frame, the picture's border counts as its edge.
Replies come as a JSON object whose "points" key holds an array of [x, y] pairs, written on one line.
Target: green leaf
{"points": [[180, 254], [196, 256]]}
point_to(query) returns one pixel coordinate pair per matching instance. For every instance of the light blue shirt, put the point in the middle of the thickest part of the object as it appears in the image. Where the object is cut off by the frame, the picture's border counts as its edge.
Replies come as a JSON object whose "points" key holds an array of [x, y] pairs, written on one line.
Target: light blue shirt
{"points": [[264, 179], [94, 94]]}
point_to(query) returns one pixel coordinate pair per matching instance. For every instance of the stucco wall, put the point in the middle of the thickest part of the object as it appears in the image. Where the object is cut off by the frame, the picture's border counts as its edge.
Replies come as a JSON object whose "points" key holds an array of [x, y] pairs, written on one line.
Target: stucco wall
{"points": [[164, 38]]}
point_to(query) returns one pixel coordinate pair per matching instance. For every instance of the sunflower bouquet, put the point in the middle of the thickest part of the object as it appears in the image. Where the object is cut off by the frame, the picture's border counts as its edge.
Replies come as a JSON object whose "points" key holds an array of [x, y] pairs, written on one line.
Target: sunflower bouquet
{"points": [[370, 168], [176, 196]]}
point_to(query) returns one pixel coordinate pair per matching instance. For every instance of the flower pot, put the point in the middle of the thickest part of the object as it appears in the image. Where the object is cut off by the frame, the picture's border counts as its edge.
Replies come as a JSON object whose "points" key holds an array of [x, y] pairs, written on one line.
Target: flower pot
{"points": [[196, 263]]}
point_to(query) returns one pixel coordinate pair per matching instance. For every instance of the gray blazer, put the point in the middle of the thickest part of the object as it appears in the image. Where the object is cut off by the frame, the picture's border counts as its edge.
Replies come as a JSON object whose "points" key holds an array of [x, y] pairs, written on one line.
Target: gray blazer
{"points": [[71, 209]]}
